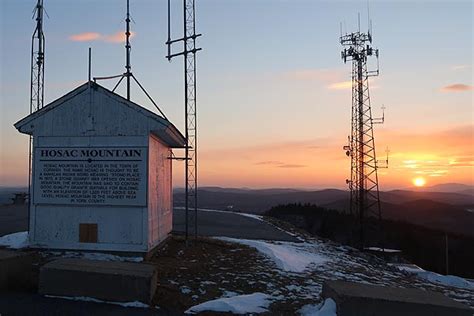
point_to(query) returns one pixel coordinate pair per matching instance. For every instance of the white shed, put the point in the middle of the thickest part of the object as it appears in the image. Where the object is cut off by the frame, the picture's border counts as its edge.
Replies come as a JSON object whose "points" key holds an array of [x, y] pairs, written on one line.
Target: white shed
{"points": [[102, 173]]}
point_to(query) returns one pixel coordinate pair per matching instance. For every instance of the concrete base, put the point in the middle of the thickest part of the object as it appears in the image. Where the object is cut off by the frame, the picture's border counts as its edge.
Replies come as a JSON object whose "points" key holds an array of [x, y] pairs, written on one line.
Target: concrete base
{"points": [[104, 280], [355, 299], [15, 269]]}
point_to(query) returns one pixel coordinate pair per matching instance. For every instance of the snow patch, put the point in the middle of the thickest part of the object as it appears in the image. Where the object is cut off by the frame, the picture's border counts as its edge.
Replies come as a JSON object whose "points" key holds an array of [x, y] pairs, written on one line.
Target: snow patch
{"points": [[15, 241], [185, 290], [449, 280], [94, 256], [288, 256], [326, 309], [257, 217], [91, 299], [240, 304], [383, 250]]}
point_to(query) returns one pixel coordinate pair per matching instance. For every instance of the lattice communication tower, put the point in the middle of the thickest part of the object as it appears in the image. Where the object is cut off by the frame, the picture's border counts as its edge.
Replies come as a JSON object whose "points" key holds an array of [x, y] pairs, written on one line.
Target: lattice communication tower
{"points": [[363, 184], [36, 80], [191, 150]]}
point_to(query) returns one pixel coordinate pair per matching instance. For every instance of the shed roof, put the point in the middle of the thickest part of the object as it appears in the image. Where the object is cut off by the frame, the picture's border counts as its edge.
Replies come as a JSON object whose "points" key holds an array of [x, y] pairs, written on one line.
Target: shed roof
{"points": [[157, 125]]}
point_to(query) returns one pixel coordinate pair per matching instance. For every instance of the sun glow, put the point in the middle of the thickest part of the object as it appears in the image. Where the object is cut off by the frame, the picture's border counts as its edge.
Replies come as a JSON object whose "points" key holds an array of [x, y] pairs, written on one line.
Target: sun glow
{"points": [[419, 182]]}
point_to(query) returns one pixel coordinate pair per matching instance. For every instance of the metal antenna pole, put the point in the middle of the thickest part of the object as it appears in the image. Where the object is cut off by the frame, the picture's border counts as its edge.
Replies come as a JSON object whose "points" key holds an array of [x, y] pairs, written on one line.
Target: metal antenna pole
{"points": [[189, 54], [363, 185], [127, 49], [128, 73], [37, 61], [36, 84]]}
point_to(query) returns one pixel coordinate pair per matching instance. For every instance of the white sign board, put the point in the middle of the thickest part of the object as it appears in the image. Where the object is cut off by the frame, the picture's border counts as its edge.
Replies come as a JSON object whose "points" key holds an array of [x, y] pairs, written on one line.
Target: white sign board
{"points": [[90, 175]]}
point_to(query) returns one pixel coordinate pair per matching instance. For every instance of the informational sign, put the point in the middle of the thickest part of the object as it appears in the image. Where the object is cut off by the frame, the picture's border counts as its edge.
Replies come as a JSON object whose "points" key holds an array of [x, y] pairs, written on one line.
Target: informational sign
{"points": [[90, 175]]}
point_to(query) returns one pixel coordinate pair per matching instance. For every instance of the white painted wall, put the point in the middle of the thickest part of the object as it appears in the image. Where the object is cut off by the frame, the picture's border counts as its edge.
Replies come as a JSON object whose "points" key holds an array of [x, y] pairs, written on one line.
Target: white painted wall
{"points": [[96, 118], [120, 228], [160, 195]]}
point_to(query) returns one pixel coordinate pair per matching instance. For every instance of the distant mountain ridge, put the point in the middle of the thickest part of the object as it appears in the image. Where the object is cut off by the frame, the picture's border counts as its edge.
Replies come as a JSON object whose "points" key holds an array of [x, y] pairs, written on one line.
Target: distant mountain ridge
{"points": [[437, 210], [260, 200], [450, 187]]}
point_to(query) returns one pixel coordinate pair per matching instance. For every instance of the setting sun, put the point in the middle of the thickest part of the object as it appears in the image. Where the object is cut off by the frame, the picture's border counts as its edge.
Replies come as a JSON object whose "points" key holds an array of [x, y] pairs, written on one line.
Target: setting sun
{"points": [[419, 182]]}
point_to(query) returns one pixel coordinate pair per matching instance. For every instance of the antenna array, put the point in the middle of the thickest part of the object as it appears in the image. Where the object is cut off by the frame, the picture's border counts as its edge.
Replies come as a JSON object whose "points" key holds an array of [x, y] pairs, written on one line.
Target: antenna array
{"points": [[363, 185], [189, 54]]}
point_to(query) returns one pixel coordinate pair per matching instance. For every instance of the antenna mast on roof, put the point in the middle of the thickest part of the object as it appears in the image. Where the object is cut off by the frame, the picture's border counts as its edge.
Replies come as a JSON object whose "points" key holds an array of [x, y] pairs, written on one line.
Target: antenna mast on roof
{"points": [[363, 184], [128, 67], [189, 54]]}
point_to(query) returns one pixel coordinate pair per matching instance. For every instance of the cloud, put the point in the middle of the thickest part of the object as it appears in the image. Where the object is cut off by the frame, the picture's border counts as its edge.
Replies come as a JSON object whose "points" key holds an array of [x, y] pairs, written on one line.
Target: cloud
{"points": [[460, 67], [332, 79], [432, 153], [269, 162], [344, 85], [279, 164], [85, 37], [118, 37], [457, 87], [291, 166]]}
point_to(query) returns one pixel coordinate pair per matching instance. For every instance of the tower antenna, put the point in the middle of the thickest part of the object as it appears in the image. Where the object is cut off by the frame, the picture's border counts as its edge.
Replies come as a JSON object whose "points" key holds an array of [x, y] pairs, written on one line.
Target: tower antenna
{"points": [[36, 82], [190, 117], [363, 184], [37, 61], [128, 68]]}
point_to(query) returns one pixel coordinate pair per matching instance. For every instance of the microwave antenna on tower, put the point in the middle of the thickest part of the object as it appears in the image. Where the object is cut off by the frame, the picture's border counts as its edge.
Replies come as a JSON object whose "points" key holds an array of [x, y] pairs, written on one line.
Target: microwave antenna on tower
{"points": [[189, 53], [363, 184]]}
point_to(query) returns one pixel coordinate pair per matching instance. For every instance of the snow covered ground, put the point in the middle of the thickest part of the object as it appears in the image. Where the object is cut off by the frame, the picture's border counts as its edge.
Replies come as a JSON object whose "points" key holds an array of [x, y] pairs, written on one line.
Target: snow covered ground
{"points": [[291, 273], [274, 275], [288, 256], [327, 308], [239, 304], [136, 304], [316, 260], [448, 280], [15, 241], [20, 240]]}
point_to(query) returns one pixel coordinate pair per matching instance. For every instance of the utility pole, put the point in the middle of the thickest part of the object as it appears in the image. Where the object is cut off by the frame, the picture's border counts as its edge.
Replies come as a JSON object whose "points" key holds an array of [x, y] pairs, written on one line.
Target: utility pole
{"points": [[446, 252], [363, 184]]}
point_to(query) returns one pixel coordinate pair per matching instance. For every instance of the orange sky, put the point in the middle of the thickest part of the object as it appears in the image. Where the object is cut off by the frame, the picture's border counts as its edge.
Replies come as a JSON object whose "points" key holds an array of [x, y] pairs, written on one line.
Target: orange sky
{"points": [[439, 156], [274, 97]]}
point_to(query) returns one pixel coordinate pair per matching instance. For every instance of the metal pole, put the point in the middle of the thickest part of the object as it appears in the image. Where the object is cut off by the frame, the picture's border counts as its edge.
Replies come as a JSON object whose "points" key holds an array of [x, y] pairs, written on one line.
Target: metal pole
{"points": [[447, 252], [186, 121], [361, 150], [169, 28], [195, 128], [127, 48], [90, 61]]}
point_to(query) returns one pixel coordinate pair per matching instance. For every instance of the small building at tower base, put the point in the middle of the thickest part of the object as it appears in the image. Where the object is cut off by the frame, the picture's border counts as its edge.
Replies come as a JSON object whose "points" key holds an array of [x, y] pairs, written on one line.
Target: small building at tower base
{"points": [[101, 173]]}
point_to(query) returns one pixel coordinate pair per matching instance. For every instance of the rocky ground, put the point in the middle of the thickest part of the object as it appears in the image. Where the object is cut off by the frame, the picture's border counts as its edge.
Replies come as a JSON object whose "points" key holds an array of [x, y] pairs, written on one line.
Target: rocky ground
{"points": [[286, 277], [211, 268]]}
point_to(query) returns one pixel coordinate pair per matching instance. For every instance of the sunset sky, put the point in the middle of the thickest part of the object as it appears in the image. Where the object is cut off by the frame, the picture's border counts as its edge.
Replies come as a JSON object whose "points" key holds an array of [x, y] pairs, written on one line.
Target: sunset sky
{"points": [[273, 94]]}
